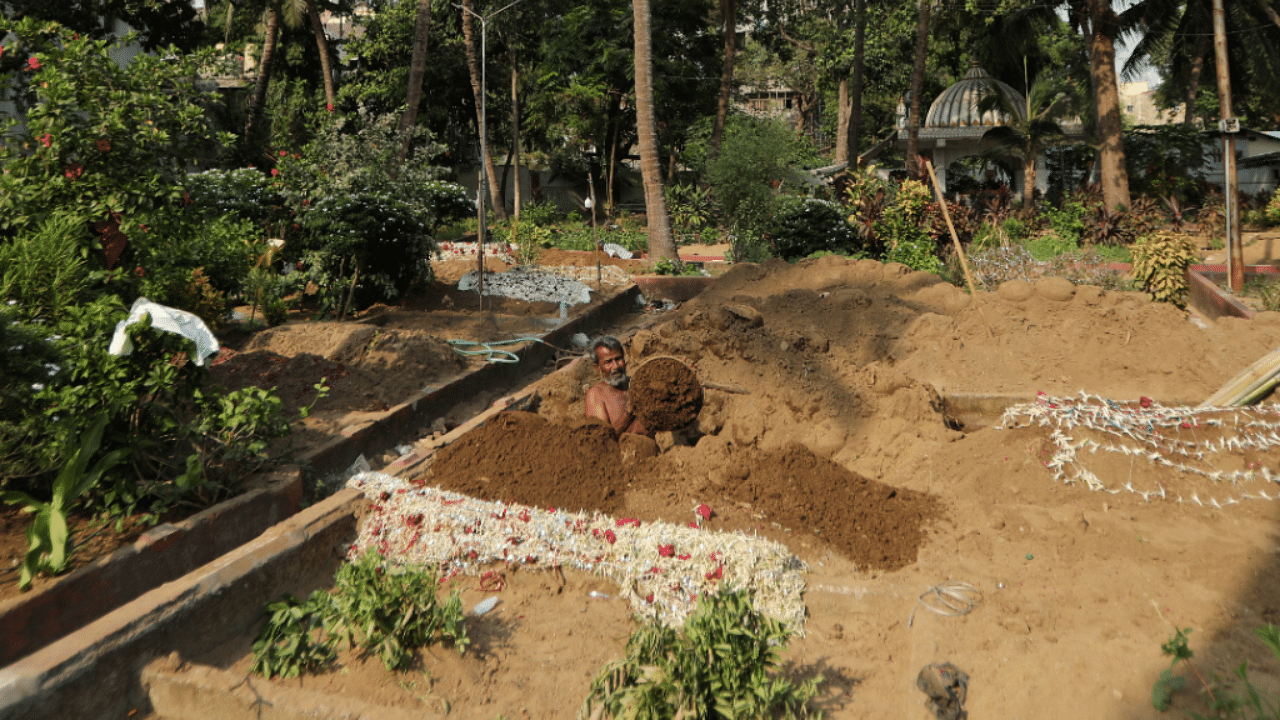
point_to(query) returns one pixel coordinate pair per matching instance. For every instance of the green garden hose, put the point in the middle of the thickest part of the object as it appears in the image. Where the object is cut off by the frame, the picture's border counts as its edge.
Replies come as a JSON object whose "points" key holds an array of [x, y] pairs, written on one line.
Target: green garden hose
{"points": [[491, 353]]}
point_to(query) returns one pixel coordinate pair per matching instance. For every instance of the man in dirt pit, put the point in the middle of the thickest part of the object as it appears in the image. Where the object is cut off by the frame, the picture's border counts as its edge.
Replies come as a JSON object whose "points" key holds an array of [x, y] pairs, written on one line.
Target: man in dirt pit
{"points": [[608, 400]]}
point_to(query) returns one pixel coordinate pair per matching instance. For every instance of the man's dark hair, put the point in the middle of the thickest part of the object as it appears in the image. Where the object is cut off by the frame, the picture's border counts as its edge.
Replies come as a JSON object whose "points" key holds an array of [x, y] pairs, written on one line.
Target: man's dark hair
{"points": [[607, 342]]}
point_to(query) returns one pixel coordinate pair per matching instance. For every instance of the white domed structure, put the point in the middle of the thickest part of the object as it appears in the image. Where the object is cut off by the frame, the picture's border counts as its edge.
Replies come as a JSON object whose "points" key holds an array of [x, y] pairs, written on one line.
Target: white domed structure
{"points": [[957, 106], [954, 126]]}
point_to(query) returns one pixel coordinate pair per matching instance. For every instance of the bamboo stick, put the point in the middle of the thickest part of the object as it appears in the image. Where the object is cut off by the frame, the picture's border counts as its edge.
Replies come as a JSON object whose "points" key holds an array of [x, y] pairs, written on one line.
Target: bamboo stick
{"points": [[955, 240], [1250, 385]]}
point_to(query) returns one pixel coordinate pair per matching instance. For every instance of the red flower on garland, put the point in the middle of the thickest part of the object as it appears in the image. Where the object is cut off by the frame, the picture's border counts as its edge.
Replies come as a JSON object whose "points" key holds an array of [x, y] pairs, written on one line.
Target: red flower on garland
{"points": [[73, 171], [33, 63], [717, 573], [704, 511], [608, 535], [1144, 401], [628, 521], [666, 550]]}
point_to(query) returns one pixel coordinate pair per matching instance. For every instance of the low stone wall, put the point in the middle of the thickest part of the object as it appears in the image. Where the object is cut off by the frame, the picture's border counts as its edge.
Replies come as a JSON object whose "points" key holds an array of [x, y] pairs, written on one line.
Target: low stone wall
{"points": [[96, 672], [33, 620]]}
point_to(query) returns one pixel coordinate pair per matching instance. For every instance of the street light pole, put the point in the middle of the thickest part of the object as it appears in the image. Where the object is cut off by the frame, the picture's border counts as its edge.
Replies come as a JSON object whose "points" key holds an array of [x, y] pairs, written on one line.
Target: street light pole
{"points": [[484, 140]]}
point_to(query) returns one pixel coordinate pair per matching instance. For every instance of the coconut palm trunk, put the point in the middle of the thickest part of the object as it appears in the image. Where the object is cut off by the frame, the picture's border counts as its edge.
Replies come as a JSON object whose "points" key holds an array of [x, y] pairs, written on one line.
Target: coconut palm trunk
{"points": [[661, 242], [322, 44], [729, 16], [259, 97], [499, 202], [417, 65], [1102, 66]]}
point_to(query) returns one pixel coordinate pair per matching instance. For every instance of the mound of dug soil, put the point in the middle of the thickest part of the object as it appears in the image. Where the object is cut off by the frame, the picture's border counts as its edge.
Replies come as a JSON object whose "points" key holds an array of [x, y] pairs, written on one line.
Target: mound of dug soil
{"points": [[522, 458], [665, 394], [870, 523]]}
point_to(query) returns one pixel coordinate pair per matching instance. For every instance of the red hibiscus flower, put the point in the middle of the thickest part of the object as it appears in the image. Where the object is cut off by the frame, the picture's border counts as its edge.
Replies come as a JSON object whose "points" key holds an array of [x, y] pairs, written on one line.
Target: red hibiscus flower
{"points": [[666, 550], [608, 535], [139, 271], [46, 139], [73, 171], [33, 63], [704, 511]]}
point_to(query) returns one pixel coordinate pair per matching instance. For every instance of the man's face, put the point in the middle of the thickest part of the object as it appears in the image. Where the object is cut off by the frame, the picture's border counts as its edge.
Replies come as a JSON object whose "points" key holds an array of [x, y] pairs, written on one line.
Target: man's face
{"points": [[612, 366]]}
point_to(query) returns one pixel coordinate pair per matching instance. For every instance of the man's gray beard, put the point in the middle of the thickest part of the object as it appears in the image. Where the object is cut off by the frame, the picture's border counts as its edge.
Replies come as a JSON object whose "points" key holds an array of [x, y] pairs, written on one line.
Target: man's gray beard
{"points": [[619, 380]]}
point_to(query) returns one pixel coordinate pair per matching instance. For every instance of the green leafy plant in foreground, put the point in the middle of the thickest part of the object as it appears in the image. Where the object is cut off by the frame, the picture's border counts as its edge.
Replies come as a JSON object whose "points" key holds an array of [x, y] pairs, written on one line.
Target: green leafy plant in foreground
{"points": [[374, 607], [1240, 699], [717, 667], [49, 540]]}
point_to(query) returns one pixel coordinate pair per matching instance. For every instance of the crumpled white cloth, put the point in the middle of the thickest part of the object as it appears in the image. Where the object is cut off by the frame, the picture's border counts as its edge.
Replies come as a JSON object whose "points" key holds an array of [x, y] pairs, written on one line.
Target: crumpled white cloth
{"points": [[614, 250], [167, 319]]}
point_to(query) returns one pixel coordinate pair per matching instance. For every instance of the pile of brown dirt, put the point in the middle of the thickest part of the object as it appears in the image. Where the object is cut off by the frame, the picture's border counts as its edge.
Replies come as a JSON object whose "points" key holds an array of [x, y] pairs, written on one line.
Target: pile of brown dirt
{"points": [[873, 524], [576, 464], [522, 458], [665, 394]]}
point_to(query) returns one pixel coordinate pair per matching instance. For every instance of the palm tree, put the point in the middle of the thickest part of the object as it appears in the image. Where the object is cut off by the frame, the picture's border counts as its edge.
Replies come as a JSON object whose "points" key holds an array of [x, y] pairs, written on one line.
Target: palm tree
{"points": [[1031, 128], [473, 66], [322, 44], [417, 65], [728, 16], [917, 87], [1104, 26], [291, 13], [661, 242]]}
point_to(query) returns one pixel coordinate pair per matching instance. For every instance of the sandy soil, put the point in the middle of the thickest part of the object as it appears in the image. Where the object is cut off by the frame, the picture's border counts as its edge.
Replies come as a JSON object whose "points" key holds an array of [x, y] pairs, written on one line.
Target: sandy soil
{"points": [[844, 366]]}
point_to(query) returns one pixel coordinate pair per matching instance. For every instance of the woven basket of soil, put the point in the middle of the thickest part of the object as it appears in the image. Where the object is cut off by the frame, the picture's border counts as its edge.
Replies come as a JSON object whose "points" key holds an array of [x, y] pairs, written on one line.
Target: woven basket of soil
{"points": [[665, 394]]}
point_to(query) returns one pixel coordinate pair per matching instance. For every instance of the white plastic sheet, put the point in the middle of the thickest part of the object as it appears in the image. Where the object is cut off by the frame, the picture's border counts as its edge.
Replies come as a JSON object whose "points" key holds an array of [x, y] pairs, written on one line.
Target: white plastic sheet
{"points": [[170, 320]]}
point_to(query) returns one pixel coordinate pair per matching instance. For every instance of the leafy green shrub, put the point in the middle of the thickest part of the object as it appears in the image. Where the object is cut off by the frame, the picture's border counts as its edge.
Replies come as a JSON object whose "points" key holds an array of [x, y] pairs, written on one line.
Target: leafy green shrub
{"points": [[802, 226], [1160, 263], [372, 242], [753, 166], [903, 229], [360, 155], [1238, 699], [382, 610], [689, 206], [1066, 223], [49, 540], [100, 137], [721, 665], [1049, 245], [44, 268], [541, 214], [243, 193], [1272, 211]]}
